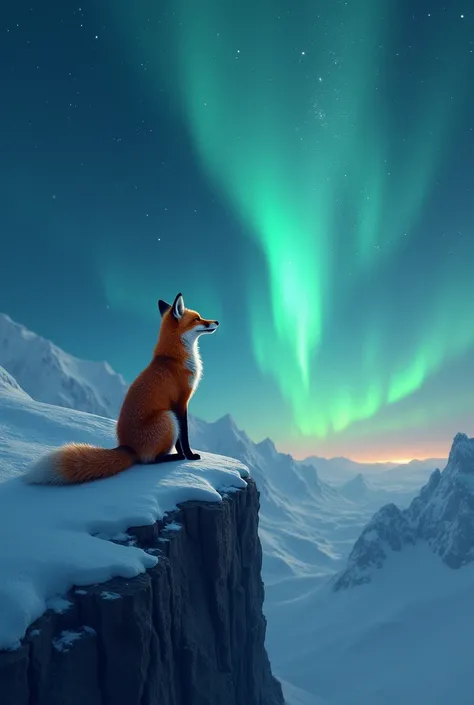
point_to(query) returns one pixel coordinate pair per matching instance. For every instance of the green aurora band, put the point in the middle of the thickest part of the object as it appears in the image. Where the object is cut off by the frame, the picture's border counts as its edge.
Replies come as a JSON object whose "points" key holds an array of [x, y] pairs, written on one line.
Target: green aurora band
{"points": [[289, 117]]}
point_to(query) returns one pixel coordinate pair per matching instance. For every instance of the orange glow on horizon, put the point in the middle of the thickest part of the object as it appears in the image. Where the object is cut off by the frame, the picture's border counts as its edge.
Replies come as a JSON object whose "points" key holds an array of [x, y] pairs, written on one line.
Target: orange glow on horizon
{"points": [[438, 452], [379, 449], [398, 461]]}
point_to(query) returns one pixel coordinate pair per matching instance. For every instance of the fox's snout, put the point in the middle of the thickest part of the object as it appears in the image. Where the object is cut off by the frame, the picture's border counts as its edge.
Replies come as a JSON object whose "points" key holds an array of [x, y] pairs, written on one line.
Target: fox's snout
{"points": [[208, 326]]}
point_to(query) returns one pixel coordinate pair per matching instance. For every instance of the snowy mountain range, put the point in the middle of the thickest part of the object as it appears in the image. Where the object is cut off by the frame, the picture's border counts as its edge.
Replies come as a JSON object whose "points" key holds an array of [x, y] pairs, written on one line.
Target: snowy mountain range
{"points": [[306, 526], [357, 489], [338, 471], [442, 515], [397, 620], [51, 375]]}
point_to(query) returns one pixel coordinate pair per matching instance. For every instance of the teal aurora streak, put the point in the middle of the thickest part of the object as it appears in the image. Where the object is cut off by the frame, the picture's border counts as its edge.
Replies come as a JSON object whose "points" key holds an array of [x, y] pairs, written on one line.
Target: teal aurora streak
{"points": [[329, 159]]}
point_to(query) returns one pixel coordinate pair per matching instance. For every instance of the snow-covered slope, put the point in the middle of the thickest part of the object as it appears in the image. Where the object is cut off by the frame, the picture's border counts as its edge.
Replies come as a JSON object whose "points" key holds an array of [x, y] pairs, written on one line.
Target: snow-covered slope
{"points": [[307, 528], [56, 534], [9, 384], [51, 375], [396, 625], [405, 637]]}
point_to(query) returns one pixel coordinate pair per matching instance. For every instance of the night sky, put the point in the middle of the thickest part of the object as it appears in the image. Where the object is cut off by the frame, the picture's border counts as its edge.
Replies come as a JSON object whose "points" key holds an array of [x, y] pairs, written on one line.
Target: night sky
{"points": [[302, 171]]}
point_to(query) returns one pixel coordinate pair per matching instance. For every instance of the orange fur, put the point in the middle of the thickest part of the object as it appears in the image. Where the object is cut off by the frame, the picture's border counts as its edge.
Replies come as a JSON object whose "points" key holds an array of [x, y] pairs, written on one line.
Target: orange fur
{"points": [[80, 462], [147, 425]]}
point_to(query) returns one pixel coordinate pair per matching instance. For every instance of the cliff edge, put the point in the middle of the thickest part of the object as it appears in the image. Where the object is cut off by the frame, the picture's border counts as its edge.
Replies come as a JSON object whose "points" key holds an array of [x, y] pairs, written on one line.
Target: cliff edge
{"points": [[189, 631]]}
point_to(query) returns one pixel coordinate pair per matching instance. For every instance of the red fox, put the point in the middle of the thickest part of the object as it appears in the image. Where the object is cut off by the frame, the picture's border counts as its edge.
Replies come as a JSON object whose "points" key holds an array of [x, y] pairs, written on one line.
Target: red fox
{"points": [[154, 414]]}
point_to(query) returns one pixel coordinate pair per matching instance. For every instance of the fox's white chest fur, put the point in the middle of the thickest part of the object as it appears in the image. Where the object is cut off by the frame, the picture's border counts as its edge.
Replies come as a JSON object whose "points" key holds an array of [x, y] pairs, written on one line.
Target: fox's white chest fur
{"points": [[194, 362]]}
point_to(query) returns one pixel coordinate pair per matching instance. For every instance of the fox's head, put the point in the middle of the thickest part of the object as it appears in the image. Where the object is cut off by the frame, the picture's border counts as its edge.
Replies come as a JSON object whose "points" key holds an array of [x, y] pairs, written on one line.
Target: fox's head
{"points": [[188, 323]]}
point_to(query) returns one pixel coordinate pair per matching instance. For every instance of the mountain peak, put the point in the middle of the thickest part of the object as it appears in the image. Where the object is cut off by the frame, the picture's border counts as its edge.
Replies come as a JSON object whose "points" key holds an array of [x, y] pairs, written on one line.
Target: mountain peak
{"points": [[227, 420], [50, 375], [442, 515], [358, 481], [226, 424], [267, 446], [357, 488], [462, 450], [388, 530]]}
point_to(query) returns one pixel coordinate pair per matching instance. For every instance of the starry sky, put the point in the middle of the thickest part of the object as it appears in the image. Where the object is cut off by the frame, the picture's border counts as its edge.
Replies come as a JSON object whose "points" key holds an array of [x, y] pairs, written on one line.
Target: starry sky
{"points": [[300, 170]]}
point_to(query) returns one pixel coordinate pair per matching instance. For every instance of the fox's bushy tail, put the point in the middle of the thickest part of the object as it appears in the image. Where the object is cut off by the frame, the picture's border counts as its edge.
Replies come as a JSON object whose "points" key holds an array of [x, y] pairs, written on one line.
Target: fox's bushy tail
{"points": [[79, 462]]}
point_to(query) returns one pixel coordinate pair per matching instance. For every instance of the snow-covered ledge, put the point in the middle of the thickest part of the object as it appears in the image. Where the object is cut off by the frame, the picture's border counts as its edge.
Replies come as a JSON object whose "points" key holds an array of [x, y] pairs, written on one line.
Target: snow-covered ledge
{"points": [[94, 612]]}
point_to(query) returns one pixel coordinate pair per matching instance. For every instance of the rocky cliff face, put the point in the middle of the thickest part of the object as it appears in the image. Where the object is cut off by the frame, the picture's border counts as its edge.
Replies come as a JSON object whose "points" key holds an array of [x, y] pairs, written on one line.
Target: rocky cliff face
{"points": [[442, 515], [189, 632]]}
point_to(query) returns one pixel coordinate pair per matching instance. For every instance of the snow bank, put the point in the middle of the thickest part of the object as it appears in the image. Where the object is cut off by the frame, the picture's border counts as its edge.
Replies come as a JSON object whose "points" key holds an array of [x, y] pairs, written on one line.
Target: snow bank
{"points": [[56, 537]]}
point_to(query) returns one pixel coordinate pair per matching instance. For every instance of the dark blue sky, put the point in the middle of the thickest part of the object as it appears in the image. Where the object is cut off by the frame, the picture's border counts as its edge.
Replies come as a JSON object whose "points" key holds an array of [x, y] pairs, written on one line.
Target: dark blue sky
{"points": [[301, 171]]}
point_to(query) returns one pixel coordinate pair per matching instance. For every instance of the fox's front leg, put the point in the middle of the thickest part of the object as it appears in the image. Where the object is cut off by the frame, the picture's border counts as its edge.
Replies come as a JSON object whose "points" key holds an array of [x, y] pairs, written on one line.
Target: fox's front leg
{"points": [[179, 448], [182, 444]]}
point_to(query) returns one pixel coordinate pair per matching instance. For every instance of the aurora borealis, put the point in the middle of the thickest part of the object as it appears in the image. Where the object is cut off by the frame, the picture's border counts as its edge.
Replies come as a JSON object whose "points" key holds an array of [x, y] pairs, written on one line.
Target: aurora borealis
{"points": [[319, 156]]}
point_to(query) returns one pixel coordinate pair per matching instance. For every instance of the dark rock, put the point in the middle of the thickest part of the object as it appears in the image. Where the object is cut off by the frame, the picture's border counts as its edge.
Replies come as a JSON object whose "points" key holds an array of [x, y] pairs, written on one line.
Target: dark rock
{"points": [[189, 632], [14, 685], [388, 530]]}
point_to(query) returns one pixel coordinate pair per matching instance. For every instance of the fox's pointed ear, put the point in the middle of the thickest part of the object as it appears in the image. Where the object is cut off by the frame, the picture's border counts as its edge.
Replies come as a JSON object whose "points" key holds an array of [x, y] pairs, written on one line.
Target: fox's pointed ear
{"points": [[163, 306], [178, 307]]}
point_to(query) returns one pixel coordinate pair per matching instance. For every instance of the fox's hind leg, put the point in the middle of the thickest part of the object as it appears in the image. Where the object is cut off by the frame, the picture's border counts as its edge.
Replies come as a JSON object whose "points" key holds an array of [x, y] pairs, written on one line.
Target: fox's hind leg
{"points": [[158, 435]]}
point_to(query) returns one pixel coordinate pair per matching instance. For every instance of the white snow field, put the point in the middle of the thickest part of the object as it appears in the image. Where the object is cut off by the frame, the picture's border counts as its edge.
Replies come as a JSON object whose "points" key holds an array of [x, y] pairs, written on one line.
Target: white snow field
{"points": [[55, 537], [406, 637]]}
